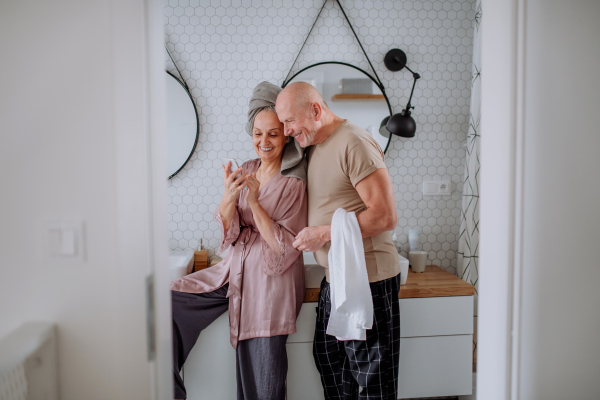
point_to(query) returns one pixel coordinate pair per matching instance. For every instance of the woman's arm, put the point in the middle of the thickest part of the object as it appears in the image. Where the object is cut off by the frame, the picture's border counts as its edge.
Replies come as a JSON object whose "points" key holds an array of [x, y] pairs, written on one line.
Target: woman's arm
{"points": [[226, 211], [232, 189], [261, 218], [226, 214], [278, 235]]}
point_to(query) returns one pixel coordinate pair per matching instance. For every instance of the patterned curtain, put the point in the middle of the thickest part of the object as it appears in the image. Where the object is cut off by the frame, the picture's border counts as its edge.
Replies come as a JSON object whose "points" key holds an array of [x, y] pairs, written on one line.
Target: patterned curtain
{"points": [[468, 242]]}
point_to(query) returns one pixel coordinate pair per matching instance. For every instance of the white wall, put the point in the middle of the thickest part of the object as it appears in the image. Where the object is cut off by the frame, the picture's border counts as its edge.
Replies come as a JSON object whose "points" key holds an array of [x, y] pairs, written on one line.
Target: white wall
{"points": [[225, 48], [559, 344], [61, 157]]}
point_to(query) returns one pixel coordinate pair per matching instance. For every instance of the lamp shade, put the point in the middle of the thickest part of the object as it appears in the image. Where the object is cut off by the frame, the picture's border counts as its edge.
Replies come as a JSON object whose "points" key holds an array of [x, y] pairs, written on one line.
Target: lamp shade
{"points": [[402, 124], [383, 129]]}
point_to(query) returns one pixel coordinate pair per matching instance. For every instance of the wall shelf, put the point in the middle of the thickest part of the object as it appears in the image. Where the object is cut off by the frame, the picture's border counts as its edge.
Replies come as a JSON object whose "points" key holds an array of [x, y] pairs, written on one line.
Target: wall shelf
{"points": [[357, 96]]}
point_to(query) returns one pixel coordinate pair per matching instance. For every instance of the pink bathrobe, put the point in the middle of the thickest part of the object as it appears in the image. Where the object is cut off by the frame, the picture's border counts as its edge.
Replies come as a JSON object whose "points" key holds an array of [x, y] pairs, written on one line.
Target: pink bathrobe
{"points": [[266, 287]]}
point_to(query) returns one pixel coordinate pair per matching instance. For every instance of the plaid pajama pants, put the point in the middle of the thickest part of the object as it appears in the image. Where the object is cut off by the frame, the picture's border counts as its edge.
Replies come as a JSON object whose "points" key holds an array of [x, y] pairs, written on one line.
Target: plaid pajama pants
{"points": [[357, 369]]}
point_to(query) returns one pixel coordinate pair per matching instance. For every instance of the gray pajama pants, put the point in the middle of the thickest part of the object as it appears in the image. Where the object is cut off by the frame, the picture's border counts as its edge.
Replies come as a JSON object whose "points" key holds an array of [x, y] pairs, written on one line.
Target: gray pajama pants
{"points": [[261, 363]]}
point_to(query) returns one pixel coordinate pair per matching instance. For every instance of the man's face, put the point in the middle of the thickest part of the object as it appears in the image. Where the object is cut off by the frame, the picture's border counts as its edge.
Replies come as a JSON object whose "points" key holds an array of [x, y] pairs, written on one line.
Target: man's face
{"points": [[299, 124]]}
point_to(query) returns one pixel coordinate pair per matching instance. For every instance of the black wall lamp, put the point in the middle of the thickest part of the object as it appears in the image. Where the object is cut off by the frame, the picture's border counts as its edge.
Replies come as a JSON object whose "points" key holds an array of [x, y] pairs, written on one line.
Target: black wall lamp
{"points": [[401, 124]]}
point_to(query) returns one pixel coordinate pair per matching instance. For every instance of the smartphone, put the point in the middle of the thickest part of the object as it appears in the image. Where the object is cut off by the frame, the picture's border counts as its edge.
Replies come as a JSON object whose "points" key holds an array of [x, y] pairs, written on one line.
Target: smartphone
{"points": [[234, 165]]}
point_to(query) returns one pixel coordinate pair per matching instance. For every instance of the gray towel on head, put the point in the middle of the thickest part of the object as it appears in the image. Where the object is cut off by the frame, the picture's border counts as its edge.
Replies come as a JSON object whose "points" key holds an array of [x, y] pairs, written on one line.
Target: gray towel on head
{"points": [[264, 96], [293, 162]]}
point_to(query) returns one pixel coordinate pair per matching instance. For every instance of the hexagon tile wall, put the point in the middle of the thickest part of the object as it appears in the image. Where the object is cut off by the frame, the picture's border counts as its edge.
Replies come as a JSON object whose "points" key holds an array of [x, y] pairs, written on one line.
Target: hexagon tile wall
{"points": [[224, 48]]}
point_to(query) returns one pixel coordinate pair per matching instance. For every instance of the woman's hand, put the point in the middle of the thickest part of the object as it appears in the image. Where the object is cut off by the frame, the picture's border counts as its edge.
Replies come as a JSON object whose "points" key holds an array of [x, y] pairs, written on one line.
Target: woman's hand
{"points": [[253, 186], [233, 186]]}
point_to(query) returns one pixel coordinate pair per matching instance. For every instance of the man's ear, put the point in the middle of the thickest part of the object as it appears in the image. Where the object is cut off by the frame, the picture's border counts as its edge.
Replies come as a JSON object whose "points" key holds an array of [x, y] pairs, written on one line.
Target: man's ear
{"points": [[316, 111]]}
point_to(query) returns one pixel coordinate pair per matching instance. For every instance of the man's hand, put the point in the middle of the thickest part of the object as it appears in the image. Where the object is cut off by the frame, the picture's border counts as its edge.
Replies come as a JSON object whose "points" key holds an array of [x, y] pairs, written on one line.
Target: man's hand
{"points": [[312, 238]]}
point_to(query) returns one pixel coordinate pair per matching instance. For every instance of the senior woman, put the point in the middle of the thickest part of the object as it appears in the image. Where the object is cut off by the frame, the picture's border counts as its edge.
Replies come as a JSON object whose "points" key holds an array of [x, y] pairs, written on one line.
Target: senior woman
{"points": [[261, 279]]}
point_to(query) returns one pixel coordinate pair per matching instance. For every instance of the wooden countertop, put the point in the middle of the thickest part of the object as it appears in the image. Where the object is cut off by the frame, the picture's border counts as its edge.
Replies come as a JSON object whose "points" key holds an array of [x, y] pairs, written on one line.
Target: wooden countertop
{"points": [[434, 282]]}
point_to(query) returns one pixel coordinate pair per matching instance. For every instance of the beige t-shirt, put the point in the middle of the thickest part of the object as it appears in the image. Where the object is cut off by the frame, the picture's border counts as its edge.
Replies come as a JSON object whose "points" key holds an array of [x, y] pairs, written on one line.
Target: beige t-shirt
{"points": [[335, 166]]}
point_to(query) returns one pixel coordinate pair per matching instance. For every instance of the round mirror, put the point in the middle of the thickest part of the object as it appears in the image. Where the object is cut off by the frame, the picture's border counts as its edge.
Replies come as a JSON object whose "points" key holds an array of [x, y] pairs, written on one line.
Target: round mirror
{"points": [[350, 93], [182, 125]]}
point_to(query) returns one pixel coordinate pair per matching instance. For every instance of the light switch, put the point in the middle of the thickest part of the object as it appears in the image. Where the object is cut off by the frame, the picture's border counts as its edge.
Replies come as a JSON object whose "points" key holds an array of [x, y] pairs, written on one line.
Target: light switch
{"points": [[430, 187], [437, 188], [65, 240], [68, 242]]}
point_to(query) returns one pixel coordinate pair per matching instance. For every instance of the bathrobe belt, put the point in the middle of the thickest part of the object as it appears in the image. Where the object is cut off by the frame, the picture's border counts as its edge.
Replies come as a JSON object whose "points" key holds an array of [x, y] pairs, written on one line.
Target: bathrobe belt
{"points": [[242, 246]]}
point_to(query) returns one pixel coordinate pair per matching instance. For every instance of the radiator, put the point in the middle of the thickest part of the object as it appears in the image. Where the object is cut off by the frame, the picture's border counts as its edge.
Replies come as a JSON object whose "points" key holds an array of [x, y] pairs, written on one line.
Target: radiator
{"points": [[28, 363]]}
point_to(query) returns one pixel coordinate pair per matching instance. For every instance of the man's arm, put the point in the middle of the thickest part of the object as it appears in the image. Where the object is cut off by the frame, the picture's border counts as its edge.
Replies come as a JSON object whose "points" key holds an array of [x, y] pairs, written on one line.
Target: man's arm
{"points": [[378, 195]]}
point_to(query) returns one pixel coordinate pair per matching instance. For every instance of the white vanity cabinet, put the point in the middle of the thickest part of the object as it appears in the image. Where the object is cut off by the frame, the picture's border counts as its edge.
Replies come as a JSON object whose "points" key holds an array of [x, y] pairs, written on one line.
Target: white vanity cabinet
{"points": [[436, 342], [436, 345]]}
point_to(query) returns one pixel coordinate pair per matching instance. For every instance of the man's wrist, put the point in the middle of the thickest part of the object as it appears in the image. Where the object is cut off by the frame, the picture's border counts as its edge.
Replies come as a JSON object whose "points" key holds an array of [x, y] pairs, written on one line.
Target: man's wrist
{"points": [[326, 233]]}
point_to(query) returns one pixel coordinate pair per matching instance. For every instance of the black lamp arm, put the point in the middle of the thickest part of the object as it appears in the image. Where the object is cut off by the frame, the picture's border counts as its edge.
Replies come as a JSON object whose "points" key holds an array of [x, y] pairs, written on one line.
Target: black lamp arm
{"points": [[415, 76]]}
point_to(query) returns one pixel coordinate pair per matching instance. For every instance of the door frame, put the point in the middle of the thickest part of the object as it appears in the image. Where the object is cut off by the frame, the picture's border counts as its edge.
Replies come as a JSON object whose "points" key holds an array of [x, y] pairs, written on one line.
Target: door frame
{"points": [[503, 55], [500, 252], [141, 179], [157, 129]]}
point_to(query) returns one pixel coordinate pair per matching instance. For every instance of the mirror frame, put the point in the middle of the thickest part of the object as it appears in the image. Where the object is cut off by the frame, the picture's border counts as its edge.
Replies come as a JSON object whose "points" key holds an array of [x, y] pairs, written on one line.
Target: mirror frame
{"points": [[197, 126], [357, 68]]}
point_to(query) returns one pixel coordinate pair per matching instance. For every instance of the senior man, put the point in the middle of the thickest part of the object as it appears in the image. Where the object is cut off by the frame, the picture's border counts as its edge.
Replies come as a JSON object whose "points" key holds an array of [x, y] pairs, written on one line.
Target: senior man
{"points": [[346, 170]]}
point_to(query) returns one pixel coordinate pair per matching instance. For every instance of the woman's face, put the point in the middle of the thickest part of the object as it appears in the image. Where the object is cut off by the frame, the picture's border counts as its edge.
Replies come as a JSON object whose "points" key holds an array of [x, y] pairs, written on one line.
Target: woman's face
{"points": [[268, 137]]}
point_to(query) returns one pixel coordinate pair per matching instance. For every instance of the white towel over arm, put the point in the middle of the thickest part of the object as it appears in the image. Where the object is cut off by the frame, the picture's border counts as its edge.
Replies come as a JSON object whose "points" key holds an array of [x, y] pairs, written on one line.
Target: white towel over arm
{"points": [[351, 301]]}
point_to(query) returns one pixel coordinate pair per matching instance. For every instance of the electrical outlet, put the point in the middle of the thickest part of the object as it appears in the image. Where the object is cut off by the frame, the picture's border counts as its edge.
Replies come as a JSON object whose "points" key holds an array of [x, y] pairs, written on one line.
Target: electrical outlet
{"points": [[437, 188]]}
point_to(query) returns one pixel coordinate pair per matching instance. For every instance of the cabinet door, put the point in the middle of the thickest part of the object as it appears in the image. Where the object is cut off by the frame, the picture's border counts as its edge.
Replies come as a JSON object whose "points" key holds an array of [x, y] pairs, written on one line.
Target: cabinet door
{"points": [[303, 380], [435, 366], [209, 371]]}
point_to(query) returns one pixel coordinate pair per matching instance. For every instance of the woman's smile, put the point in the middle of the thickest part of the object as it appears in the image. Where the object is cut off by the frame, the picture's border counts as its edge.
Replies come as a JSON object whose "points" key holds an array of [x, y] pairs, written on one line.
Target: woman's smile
{"points": [[268, 138]]}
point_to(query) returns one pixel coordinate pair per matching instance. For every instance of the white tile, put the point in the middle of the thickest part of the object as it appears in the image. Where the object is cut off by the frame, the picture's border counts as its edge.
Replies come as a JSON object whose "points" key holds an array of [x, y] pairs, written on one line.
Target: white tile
{"points": [[224, 50]]}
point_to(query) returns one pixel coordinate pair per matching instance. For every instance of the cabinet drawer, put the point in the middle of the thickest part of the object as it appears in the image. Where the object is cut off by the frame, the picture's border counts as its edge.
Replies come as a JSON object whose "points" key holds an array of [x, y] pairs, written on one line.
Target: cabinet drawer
{"points": [[305, 324], [435, 366], [425, 316], [436, 316]]}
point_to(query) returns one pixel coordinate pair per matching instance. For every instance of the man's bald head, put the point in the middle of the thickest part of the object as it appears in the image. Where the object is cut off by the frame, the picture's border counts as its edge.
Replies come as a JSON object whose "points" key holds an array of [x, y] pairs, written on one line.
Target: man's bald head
{"points": [[301, 95], [303, 111]]}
